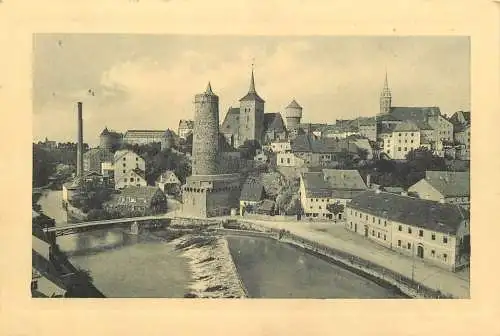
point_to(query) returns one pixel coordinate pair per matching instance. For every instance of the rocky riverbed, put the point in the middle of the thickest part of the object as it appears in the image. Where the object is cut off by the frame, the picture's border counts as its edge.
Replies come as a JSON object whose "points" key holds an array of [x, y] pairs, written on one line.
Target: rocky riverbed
{"points": [[212, 267]]}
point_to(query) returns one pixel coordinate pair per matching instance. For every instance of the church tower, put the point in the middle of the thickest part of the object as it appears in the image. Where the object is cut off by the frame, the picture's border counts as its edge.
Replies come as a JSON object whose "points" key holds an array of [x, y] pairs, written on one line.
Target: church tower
{"points": [[385, 98], [251, 115]]}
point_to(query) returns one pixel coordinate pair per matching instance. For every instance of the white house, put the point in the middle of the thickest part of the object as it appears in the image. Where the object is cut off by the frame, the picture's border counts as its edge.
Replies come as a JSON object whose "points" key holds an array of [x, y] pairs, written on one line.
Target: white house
{"points": [[168, 182], [318, 189], [129, 169], [399, 139], [435, 232], [446, 186], [281, 146]]}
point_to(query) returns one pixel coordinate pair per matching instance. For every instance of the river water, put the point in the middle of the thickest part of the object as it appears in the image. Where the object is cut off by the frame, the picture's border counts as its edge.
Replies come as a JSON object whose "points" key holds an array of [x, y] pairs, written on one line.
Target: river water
{"points": [[124, 265]]}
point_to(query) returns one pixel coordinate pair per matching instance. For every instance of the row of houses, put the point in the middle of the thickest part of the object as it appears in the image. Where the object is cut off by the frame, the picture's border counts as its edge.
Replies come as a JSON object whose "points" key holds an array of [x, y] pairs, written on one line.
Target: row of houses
{"points": [[429, 220]]}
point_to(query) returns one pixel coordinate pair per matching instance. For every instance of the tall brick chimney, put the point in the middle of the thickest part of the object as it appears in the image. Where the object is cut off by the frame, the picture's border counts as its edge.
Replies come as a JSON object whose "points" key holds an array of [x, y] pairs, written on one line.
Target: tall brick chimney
{"points": [[79, 146]]}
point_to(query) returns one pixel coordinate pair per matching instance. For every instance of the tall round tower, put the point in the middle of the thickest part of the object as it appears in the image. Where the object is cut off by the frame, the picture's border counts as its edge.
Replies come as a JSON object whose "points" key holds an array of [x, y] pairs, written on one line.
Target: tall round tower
{"points": [[206, 133], [293, 114]]}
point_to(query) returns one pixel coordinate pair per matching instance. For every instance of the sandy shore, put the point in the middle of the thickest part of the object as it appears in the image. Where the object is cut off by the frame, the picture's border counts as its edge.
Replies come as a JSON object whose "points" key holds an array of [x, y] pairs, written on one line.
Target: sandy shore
{"points": [[212, 267]]}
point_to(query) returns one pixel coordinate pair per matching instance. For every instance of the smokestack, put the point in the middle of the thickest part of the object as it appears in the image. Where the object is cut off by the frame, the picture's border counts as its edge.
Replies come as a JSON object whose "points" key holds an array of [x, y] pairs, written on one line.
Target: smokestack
{"points": [[79, 146]]}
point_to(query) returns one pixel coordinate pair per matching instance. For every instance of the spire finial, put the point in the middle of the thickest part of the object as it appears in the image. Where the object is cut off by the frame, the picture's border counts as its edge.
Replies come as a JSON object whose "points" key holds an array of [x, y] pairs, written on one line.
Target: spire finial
{"points": [[252, 81], [386, 84], [209, 89]]}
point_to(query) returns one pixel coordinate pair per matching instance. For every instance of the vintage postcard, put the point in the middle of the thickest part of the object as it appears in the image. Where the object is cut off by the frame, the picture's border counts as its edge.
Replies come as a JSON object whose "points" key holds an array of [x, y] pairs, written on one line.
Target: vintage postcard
{"points": [[176, 164]]}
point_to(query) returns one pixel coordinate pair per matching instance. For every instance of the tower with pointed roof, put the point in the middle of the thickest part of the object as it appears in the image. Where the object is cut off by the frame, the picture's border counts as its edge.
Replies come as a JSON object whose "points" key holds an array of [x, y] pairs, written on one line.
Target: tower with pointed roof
{"points": [[251, 115], [385, 98], [293, 114], [206, 133]]}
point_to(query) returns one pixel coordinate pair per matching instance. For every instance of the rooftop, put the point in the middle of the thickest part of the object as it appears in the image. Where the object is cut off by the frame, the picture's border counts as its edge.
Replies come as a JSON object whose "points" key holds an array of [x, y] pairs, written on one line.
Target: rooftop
{"points": [[430, 215], [252, 191], [448, 183]]}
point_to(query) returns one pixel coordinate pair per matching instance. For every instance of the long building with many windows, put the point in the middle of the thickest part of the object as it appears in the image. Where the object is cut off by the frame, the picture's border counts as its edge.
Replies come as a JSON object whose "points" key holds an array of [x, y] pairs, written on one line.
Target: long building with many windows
{"points": [[433, 231]]}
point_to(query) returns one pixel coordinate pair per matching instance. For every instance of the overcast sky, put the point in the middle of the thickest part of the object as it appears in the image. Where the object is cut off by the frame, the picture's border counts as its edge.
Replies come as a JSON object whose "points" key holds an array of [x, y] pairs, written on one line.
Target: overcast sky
{"points": [[149, 81]]}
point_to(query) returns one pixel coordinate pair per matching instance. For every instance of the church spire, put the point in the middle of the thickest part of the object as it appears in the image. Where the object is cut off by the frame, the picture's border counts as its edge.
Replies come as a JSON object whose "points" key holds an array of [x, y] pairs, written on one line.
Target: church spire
{"points": [[209, 89], [385, 97], [252, 83], [386, 85]]}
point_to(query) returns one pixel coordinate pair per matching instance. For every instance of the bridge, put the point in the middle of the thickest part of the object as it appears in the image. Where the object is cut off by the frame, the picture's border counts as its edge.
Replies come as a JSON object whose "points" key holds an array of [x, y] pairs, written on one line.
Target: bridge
{"points": [[95, 225]]}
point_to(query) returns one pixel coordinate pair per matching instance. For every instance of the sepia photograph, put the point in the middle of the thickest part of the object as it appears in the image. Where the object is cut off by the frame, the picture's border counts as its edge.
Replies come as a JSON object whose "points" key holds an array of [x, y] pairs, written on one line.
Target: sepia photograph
{"points": [[252, 166]]}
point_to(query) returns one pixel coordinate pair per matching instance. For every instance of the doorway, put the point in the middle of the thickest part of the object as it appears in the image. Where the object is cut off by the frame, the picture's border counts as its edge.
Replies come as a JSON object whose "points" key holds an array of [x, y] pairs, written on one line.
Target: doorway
{"points": [[420, 252], [366, 230]]}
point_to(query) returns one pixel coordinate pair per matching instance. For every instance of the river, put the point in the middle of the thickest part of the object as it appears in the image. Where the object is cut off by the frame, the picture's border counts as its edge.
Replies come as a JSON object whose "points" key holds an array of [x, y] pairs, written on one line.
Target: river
{"points": [[124, 265]]}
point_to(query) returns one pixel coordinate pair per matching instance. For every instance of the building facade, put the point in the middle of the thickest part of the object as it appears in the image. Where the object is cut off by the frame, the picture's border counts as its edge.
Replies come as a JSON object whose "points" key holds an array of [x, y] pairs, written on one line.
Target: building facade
{"points": [[94, 157], [319, 189], [143, 137], [398, 140], [445, 186], [185, 128], [293, 115], [431, 231], [129, 169]]}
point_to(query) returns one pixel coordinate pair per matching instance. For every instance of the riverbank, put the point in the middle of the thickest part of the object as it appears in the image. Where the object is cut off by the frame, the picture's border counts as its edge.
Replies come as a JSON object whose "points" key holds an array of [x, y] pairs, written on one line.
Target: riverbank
{"points": [[212, 267]]}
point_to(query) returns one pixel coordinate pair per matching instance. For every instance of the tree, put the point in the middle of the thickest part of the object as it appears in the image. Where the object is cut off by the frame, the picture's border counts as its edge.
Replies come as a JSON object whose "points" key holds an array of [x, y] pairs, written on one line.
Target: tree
{"points": [[335, 208], [283, 200], [44, 165], [294, 206]]}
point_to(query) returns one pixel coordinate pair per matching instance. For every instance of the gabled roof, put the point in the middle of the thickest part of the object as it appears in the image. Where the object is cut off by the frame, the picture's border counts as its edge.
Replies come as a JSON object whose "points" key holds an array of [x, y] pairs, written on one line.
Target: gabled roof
{"points": [[252, 191], [273, 121], [435, 216], [294, 104], [140, 172], [165, 175], [120, 153], [231, 122], [406, 126], [333, 183], [414, 113], [460, 118], [309, 143], [344, 179], [449, 184]]}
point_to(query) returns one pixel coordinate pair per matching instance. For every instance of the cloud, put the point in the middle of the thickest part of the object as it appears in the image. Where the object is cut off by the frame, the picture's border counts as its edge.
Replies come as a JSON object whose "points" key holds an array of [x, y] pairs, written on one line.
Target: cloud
{"points": [[331, 80]]}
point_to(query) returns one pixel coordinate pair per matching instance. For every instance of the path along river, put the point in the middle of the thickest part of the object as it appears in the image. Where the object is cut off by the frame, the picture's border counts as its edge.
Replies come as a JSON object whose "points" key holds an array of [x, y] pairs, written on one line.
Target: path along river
{"points": [[124, 265]]}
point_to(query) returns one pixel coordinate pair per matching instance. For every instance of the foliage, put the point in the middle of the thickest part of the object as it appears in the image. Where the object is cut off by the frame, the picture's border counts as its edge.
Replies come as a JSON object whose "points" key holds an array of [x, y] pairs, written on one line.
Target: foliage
{"points": [[158, 161], [294, 207], [44, 164], [335, 208], [363, 154], [249, 149], [272, 182]]}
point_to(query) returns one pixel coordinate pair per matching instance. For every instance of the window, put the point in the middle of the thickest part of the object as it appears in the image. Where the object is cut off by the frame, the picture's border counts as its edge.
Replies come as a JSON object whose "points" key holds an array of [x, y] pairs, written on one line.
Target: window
{"points": [[320, 207], [399, 149], [385, 237], [445, 256], [124, 165], [409, 230], [373, 232], [124, 171], [400, 228], [378, 234], [445, 240], [433, 236], [399, 134], [125, 180], [411, 134], [131, 179], [433, 253], [409, 246], [411, 141], [288, 160], [385, 223], [420, 233], [136, 159], [366, 217], [124, 159], [406, 141], [399, 243], [373, 219], [406, 149]]}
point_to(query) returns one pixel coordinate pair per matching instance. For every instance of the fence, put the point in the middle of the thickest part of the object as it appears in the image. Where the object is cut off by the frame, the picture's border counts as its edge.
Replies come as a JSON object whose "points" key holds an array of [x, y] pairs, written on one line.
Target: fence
{"points": [[411, 287]]}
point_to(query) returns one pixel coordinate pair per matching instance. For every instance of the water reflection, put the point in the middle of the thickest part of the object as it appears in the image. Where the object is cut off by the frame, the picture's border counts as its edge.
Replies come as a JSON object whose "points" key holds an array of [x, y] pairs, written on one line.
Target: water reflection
{"points": [[275, 270]]}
